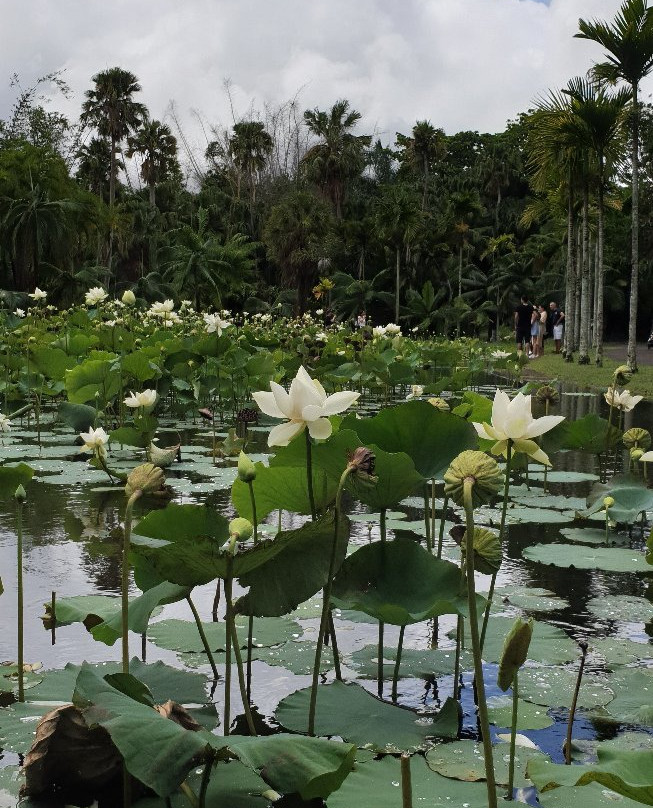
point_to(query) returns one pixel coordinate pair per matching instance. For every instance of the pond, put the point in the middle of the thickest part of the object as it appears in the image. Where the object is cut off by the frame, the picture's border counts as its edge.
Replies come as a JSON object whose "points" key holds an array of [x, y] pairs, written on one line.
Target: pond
{"points": [[72, 548]]}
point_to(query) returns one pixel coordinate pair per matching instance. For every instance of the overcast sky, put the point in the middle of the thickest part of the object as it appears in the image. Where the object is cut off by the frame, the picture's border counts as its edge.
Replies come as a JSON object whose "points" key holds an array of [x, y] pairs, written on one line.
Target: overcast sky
{"points": [[462, 64]]}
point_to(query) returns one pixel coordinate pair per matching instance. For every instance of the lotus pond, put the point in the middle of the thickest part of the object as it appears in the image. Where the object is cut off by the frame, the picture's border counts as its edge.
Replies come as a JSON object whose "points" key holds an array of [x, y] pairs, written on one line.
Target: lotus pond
{"points": [[334, 609]]}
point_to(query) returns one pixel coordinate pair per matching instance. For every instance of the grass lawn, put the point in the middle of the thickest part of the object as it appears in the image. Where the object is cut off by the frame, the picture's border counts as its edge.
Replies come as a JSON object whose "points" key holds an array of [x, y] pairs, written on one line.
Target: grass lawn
{"points": [[552, 366]]}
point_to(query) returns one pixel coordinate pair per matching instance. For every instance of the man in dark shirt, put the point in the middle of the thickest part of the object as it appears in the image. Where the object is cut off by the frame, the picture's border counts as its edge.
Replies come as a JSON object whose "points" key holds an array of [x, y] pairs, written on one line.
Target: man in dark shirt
{"points": [[557, 320], [523, 314]]}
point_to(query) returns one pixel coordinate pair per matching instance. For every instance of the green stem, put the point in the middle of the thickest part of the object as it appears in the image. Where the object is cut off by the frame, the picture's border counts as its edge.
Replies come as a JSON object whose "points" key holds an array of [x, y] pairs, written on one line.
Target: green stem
{"points": [[19, 609], [334, 647], [607, 527], [188, 792], [513, 736], [125, 578], [200, 630], [406, 783], [379, 669], [442, 520], [427, 519], [325, 603], [574, 701], [204, 785], [476, 645], [309, 474], [395, 675], [239, 669], [250, 623], [228, 589]]}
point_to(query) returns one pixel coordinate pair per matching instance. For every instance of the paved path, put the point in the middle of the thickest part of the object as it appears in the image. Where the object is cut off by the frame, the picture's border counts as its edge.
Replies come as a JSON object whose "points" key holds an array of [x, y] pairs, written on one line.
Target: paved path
{"points": [[617, 351]]}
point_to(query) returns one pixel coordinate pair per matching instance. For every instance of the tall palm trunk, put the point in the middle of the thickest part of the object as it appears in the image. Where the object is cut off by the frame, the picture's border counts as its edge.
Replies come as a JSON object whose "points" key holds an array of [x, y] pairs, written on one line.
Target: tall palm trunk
{"points": [[634, 270], [585, 297], [579, 282], [397, 281], [570, 280], [598, 313]]}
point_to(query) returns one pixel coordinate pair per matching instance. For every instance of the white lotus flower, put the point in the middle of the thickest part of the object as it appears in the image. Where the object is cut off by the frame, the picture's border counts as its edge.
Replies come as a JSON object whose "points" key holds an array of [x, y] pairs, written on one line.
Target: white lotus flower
{"points": [[378, 331], [622, 401], [159, 309], [215, 324], [647, 457], [319, 312], [95, 440], [392, 328], [19, 312], [513, 420], [5, 423], [500, 354], [305, 405], [416, 390], [145, 399], [95, 295], [128, 297], [38, 294]]}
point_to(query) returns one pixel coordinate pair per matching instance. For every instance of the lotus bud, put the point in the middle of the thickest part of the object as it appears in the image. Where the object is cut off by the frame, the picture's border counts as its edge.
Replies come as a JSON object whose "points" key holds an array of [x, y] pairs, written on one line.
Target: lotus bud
{"points": [[146, 478], [20, 495], [608, 502], [241, 529], [361, 464], [487, 550], [636, 454], [515, 651], [637, 438], [246, 469], [547, 393], [439, 403], [622, 375], [476, 466], [128, 298]]}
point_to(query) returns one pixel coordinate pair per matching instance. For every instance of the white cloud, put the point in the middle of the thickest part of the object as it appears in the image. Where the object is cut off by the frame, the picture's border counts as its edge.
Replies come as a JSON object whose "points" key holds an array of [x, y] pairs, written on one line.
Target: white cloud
{"points": [[463, 64]]}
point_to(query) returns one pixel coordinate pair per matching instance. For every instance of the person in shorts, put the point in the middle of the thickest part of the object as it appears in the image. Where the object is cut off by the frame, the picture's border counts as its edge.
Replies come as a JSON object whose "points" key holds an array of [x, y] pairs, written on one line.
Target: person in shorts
{"points": [[557, 320], [523, 315]]}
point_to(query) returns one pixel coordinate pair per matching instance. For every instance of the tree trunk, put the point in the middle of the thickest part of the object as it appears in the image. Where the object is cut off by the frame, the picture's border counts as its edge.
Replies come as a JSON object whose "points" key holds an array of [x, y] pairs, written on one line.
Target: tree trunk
{"points": [[570, 280], [634, 270], [585, 297], [152, 192], [397, 279], [598, 313], [579, 281]]}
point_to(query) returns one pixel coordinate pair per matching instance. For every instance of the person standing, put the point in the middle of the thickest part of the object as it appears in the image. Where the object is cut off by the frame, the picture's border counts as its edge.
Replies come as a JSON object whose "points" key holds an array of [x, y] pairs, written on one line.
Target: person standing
{"points": [[523, 315], [557, 320], [541, 329]]}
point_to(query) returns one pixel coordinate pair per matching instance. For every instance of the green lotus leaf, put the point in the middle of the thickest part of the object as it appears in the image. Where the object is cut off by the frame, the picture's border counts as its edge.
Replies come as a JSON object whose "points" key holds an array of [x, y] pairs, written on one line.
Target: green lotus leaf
{"points": [[282, 488], [529, 716], [182, 635], [398, 582], [549, 644], [629, 608], [633, 703], [79, 416], [590, 434], [589, 796], [631, 497], [554, 687], [350, 712], [11, 476], [396, 477], [463, 760], [610, 559], [529, 598], [417, 662]]}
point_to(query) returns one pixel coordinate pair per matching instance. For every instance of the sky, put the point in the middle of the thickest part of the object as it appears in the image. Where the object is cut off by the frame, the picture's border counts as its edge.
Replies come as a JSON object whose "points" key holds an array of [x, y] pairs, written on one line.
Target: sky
{"points": [[461, 64]]}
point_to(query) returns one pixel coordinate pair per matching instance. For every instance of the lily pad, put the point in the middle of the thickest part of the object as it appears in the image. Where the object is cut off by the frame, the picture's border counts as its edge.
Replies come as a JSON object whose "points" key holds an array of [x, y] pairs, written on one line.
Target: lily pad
{"points": [[32, 675], [617, 651], [589, 796], [594, 535], [529, 598], [298, 657], [628, 608], [564, 476], [554, 687], [633, 703], [418, 662], [549, 644], [182, 635], [609, 559], [352, 713], [529, 716]]}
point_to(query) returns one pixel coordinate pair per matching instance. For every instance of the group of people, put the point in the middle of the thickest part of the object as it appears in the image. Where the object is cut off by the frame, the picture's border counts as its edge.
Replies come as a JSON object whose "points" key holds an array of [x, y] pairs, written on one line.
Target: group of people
{"points": [[533, 323]]}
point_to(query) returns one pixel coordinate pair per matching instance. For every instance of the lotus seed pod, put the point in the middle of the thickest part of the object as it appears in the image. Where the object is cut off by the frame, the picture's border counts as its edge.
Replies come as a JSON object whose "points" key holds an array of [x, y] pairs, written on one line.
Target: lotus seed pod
{"points": [[20, 494], [362, 462], [246, 468], [482, 470], [146, 478], [515, 651], [636, 454], [547, 393], [439, 403], [637, 438], [622, 375], [240, 528], [487, 551], [608, 502]]}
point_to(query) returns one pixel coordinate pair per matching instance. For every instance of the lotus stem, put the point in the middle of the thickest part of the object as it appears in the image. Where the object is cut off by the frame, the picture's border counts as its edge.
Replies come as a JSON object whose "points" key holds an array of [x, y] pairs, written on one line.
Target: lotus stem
{"points": [[513, 736], [216, 602], [53, 612], [143, 646], [250, 623], [406, 783], [502, 529], [200, 630], [445, 504], [476, 644], [379, 663], [395, 675], [228, 587], [546, 468], [125, 577], [309, 474], [239, 668], [574, 701], [456, 665], [204, 785], [334, 647], [427, 519], [326, 596], [19, 607], [188, 792]]}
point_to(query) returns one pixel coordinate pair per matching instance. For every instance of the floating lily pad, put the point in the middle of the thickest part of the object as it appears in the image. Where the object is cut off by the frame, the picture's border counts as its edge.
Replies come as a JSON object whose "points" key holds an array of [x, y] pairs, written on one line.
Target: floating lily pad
{"points": [[540, 515], [377, 784], [592, 795], [463, 760], [11, 780], [629, 608], [594, 535], [610, 559], [18, 725], [549, 645], [529, 598], [417, 662], [298, 657], [32, 675], [375, 518], [538, 499], [563, 476], [617, 651], [352, 713], [554, 687], [633, 703], [182, 635], [529, 716]]}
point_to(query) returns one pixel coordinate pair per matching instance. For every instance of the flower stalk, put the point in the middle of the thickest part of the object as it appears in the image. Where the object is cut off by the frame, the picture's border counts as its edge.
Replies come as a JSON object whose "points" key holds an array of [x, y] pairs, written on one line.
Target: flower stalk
{"points": [[20, 498]]}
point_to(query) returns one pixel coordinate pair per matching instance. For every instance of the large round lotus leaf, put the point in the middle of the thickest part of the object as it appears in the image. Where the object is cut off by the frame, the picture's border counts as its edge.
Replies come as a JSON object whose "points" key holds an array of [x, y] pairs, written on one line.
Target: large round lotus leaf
{"points": [[538, 499], [18, 725], [182, 635], [609, 559], [418, 662], [629, 608], [350, 712], [430, 437], [617, 651], [554, 687], [529, 716], [563, 476], [538, 515], [296, 656], [590, 434], [398, 582], [464, 760], [529, 598], [549, 644], [32, 675], [285, 488], [377, 784], [594, 535], [584, 750], [592, 795], [10, 782], [633, 702], [395, 475]]}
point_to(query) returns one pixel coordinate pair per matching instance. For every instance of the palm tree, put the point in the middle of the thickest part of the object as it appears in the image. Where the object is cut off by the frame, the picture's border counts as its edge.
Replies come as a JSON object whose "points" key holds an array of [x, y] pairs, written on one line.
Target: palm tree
{"points": [[628, 41], [498, 247], [340, 155], [94, 166], [157, 146], [397, 220], [464, 206], [249, 147], [422, 151], [111, 109]]}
